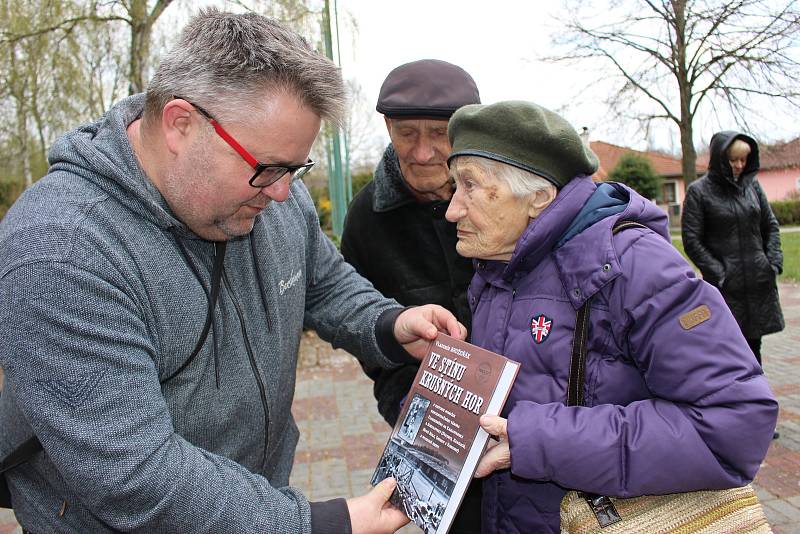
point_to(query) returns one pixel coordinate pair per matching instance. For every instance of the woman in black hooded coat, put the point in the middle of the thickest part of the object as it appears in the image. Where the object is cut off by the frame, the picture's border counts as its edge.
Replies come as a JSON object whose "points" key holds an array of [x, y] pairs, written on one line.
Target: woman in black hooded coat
{"points": [[731, 234]]}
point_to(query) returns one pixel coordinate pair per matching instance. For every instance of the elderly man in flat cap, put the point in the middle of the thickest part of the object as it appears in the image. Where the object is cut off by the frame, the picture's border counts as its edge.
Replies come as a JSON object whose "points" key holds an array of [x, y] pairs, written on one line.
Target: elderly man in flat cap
{"points": [[669, 384], [395, 234]]}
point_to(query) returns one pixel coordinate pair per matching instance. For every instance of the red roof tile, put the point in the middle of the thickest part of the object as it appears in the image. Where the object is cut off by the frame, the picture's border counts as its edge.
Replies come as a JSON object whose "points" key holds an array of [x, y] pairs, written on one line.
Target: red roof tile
{"points": [[609, 155], [781, 155]]}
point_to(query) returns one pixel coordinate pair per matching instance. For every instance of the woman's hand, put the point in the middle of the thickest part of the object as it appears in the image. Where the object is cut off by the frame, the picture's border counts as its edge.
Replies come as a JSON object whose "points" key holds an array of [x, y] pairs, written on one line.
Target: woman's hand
{"points": [[498, 455]]}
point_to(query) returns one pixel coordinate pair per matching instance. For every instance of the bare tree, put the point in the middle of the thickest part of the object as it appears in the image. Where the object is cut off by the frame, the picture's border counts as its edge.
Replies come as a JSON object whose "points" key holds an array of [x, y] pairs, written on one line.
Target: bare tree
{"points": [[141, 20], [138, 15], [61, 64], [688, 56], [34, 74], [364, 140]]}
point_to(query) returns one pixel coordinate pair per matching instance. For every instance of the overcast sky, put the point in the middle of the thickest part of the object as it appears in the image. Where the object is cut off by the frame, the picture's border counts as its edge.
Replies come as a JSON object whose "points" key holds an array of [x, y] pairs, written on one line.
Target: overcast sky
{"points": [[497, 42]]}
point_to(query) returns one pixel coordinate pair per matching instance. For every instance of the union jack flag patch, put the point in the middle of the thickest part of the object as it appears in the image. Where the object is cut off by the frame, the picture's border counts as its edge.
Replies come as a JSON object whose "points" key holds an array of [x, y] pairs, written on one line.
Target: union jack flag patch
{"points": [[540, 328]]}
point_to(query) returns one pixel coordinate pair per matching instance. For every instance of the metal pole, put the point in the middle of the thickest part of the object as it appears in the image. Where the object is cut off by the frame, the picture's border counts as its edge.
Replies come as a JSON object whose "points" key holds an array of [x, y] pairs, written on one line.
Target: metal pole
{"points": [[336, 179], [348, 178]]}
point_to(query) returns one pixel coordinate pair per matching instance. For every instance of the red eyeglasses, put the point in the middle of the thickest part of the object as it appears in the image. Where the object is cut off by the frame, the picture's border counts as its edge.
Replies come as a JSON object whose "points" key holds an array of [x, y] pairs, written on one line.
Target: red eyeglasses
{"points": [[266, 173]]}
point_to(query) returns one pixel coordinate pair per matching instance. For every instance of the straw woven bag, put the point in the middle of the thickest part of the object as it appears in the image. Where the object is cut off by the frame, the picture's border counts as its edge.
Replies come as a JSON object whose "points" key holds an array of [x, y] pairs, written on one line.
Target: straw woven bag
{"points": [[731, 511], [734, 511]]}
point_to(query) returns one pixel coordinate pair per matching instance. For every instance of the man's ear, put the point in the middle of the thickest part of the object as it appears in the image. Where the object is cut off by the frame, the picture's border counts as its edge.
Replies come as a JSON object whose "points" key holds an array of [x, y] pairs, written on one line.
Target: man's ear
{"points": [[539, 200], [176, 125], [388, 122]]}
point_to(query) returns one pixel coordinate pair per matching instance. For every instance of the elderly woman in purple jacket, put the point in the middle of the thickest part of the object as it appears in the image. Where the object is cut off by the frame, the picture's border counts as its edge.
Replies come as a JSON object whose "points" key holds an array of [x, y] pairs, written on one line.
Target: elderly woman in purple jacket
{"points": [[674, 400]]}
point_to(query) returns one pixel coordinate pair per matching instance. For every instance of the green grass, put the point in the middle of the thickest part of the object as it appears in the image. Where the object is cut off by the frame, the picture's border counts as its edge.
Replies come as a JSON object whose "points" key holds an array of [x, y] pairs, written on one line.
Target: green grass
{"points": [[678, 243], [790, 243]]}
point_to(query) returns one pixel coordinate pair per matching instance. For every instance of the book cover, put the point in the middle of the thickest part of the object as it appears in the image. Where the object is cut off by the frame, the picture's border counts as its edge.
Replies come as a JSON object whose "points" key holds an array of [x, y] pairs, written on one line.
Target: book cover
{"points": [[435, 446]]}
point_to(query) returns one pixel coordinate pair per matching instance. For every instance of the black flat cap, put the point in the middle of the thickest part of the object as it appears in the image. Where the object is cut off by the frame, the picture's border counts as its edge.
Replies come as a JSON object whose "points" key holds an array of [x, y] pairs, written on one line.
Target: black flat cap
{"points": [[426, 88]]}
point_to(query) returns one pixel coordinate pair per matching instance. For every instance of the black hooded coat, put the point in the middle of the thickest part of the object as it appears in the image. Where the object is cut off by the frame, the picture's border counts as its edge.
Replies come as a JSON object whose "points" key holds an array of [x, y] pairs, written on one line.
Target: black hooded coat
{"points": [[732, 236]]}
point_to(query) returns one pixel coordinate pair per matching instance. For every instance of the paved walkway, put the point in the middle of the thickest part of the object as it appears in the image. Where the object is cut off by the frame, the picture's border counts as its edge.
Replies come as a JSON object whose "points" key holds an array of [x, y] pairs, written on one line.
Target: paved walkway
{"points": [[676, 232], [342, 434]]}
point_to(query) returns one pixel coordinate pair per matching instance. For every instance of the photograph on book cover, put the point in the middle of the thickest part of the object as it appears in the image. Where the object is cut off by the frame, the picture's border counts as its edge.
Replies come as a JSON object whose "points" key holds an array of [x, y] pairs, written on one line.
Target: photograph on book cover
{"points": [[413, 419], [435, 446]]}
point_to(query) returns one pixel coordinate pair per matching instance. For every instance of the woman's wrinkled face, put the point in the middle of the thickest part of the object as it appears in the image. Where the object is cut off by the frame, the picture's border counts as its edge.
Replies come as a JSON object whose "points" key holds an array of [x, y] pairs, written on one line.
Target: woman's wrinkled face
{"points": [[489, 217]]}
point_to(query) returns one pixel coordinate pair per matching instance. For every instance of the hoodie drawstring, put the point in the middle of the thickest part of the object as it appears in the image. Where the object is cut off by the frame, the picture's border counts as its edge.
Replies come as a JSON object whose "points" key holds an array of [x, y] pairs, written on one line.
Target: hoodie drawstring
{"points": [[254, 254], [212, 296]]}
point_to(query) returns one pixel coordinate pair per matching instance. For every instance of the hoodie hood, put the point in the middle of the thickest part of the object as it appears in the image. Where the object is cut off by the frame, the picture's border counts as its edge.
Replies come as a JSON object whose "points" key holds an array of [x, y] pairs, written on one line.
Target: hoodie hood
{"points": [[606, 200], [101, 153], [566, 217], [719, 168], [588, 217]]}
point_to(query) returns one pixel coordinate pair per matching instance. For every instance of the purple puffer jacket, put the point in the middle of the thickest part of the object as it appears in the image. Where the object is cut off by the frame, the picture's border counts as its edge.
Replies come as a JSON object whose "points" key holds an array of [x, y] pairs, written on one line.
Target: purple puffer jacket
{"points": [[671, 409]]}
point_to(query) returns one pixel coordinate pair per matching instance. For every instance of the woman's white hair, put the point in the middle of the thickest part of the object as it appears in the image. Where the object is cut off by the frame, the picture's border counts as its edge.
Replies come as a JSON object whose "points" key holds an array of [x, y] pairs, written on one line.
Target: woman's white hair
{"points": [[521, 182]]}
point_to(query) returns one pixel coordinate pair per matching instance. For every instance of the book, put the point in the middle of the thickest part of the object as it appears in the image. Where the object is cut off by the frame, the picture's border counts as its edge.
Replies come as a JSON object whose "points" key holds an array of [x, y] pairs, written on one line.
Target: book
{"points": [[435, 446]]}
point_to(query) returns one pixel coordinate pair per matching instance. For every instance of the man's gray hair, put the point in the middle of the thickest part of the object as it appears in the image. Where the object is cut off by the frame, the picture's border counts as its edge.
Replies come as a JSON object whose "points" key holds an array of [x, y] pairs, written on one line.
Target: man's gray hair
{"points": [[224, 62], [521, 182]]}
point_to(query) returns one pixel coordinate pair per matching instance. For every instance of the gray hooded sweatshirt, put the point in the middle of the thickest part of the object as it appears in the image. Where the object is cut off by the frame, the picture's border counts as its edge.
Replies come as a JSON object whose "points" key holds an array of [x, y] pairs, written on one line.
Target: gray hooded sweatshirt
{"points": [[103, 296]]}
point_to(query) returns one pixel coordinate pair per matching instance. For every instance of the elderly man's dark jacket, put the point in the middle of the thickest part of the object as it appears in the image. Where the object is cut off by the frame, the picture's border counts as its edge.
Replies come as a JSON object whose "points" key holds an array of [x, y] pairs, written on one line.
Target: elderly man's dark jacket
{"points": [[408, 251], [731, 234]]}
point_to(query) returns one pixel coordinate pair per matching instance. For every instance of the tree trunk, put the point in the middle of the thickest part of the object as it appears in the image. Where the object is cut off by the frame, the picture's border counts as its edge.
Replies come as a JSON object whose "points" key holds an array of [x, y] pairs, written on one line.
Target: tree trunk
{"points": [[41, 152], [689, 159], [140, 45], [681, 71], [17, 89], [141, 23], [22, 133]]}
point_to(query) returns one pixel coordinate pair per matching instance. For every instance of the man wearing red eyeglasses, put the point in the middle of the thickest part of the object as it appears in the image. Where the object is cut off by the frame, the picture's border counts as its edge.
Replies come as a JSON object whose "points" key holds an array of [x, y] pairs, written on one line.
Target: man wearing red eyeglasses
{"points": [[153, 288]]}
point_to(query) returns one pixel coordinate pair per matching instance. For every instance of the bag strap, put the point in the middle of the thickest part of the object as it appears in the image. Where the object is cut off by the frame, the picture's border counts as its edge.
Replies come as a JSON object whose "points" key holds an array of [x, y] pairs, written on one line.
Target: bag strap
{"points": [[22, 453], [577, 366], [602, 506]]}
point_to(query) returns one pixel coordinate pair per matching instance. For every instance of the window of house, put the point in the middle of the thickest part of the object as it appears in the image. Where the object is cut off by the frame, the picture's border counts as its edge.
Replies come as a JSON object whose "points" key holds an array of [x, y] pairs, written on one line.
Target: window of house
{"points": [[669, 192]]}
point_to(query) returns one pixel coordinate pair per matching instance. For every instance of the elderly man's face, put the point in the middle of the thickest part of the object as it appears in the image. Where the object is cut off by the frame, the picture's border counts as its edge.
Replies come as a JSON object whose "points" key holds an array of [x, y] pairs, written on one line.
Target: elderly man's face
{"points": [[488, 216], [422, 148], [208, 185]]}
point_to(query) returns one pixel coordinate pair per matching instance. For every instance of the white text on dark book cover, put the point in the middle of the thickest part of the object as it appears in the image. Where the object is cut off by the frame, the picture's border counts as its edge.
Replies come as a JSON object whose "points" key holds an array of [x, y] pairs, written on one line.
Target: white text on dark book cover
{"points": [[436, 444]]}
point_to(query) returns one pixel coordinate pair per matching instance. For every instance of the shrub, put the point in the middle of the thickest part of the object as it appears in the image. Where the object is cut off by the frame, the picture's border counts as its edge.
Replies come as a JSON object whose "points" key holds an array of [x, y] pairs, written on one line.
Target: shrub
{"points": [[786, 211], [9, 191], [319, 195], [359, 180], [637, 173]]}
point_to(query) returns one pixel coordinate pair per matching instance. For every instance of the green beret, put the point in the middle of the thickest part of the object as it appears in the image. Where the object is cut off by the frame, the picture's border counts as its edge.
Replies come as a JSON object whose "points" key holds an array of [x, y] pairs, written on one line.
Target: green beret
{"points": [[524, 135]]}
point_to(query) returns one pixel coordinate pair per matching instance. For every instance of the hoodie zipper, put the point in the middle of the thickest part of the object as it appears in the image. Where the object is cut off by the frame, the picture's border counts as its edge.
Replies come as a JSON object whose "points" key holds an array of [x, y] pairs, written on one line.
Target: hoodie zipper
{"points": [[253, 366]]}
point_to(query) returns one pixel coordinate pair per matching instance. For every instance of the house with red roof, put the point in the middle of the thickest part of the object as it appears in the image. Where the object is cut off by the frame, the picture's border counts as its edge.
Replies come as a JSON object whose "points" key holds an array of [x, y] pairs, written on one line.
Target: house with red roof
{"points": [[668, 167], [779, 175], [780, 170]]}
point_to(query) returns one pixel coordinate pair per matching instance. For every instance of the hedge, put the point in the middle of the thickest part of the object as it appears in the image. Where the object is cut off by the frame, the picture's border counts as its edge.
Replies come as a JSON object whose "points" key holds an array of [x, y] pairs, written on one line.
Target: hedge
{"points": [[787, 211]]}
